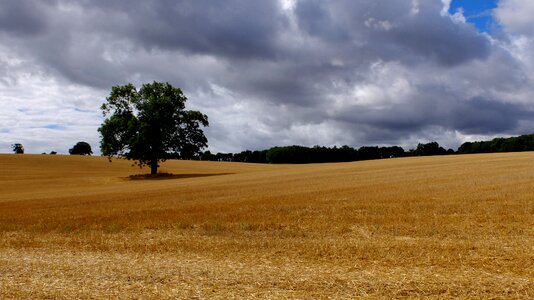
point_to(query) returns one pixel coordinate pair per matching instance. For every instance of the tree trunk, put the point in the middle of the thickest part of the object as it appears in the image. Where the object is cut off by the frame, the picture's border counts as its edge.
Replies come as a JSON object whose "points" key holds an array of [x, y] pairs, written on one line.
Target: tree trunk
{"points": [[153, 167]]}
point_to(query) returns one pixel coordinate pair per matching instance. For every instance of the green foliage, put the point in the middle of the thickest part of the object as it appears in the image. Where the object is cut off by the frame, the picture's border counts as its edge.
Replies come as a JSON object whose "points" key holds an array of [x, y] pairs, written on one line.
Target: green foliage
{"points": [[304, 155], [151, 125], [289, 154], [81, 148], [428, 149], [251, 156], [512, 144], [18, 148], [318, 154]]}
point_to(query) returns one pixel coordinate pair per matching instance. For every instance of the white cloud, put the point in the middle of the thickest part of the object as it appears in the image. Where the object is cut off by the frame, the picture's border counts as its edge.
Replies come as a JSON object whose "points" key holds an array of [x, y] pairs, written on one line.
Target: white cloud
{"points": [[415, 7], [446, 7], [379, 24], [44, 113], [516, 16]]}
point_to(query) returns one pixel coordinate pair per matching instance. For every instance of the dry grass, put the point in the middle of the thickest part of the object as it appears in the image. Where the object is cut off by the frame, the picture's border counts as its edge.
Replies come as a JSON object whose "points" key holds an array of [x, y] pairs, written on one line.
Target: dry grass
{"points": [[435, 227]]}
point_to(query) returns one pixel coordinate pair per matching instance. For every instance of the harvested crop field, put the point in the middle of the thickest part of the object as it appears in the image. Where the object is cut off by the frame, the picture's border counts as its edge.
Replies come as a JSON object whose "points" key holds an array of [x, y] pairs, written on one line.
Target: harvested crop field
{"points": [[433, 227]]}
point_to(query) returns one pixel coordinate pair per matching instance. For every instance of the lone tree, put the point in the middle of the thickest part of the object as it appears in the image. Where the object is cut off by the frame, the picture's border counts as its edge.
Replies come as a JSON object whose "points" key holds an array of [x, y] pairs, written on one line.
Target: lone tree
{"points": [[18, 148], [151, 125], [81, 148]]}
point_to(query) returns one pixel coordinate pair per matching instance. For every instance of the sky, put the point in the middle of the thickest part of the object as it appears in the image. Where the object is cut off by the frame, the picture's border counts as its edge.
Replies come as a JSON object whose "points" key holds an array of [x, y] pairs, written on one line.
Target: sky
{"points": [[273, 73], [477, 12]]}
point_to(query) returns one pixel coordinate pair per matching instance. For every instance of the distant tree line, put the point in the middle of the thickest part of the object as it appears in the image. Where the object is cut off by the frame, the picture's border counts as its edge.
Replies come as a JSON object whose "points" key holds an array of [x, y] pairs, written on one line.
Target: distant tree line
{"points": [[80, 148], [512, 144], [318, 154]]}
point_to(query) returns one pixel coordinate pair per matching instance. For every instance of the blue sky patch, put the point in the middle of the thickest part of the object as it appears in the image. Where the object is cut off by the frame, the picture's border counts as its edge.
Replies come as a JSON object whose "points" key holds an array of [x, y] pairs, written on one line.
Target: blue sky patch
{"points": [[55, 127], [477, 12]]}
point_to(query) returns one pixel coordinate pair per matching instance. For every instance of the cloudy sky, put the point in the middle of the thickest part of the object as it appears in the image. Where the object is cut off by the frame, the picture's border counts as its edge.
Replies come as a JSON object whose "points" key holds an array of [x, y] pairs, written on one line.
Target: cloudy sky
{"points": [[280, 72]]}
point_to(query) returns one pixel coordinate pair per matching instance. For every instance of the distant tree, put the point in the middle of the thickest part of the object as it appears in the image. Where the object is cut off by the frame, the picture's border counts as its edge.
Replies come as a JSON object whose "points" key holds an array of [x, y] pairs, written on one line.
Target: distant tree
{"points": [[289, 155], [511, 144], [151, 125], [366, 153], [208, 156], [244, 156], [251, 156], [259, 157], [432, 148], [18, 148], [81, 148], [53, 152], [390, 152], [466, 147], [224, 156], [348, 153], [305, 155]]}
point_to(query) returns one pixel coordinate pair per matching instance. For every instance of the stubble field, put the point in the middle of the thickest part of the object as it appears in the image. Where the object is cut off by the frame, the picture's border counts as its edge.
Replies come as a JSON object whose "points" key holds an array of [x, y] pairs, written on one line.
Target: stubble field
{"points": [[434, 227]]}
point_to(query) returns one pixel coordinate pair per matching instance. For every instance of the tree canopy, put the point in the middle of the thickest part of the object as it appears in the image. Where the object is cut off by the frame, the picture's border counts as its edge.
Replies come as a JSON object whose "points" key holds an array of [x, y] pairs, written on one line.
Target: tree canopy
{"points": [[18, 148], [81, 148], [432, 148], [304, 155], [151, 125], [511, 144]]}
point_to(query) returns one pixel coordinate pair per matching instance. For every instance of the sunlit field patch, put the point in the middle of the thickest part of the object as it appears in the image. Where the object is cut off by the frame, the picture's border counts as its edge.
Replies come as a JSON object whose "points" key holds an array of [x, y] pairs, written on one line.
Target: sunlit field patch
{"points": [[81, 227]]}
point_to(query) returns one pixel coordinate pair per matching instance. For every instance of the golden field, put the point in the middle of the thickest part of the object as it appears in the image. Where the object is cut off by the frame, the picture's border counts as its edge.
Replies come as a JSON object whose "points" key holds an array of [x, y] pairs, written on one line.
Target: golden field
{"points": [[432, 227]]}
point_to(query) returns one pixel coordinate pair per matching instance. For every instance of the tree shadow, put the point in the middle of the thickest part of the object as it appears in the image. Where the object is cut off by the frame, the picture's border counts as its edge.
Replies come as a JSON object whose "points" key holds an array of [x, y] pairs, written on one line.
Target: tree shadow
{"points": [[169, 176]]}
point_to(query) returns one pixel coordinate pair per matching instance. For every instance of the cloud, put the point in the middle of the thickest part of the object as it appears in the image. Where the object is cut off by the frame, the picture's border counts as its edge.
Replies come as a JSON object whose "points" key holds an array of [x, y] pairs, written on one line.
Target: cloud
{"points": [[516, 16], [389, 30], [22, 18], [269, 73]]}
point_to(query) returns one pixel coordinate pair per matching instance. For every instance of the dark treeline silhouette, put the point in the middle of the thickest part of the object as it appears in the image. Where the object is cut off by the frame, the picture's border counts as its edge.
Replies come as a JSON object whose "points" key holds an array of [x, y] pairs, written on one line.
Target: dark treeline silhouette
{"points": [[318, 154], [304, 155], [81, 148], [512, 144], [18, 148], [432, 148]]}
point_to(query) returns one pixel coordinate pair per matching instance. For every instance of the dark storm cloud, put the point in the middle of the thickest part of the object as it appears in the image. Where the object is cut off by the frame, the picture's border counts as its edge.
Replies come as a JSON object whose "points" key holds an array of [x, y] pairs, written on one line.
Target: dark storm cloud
{"points": [[433, 107], [232, 28], [301, 82], [282, 73], [393, 30], [21, 17], [447, 43], [483, 116], [75, 37], [237, 31], [474, 116]]}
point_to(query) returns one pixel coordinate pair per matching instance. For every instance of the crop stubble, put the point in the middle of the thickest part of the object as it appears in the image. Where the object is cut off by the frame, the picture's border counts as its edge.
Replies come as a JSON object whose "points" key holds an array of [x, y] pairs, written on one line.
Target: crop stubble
{"points": [[454, 226]]}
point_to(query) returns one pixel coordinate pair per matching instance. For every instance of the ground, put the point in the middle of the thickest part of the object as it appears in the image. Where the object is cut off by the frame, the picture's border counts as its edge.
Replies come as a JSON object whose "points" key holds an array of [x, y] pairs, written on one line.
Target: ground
{"points": [[433, 227]]}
